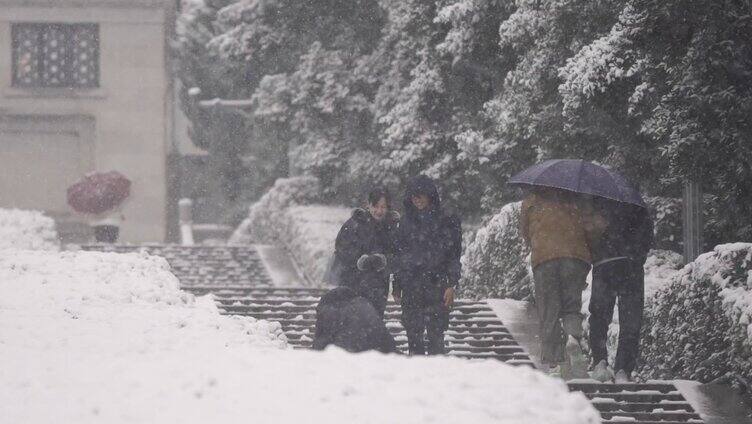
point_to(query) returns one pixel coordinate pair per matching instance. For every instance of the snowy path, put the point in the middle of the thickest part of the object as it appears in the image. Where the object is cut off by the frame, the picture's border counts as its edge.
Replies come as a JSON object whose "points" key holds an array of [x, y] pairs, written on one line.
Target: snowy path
{"points": [[280, 266]]}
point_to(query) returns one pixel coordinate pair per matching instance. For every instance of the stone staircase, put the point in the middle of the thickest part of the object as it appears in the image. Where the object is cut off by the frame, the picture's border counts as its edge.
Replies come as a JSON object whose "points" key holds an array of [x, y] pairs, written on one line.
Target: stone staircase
{"points": [[209, 267], [475, 333], [642, 403], [474, 330], [241, 285]]}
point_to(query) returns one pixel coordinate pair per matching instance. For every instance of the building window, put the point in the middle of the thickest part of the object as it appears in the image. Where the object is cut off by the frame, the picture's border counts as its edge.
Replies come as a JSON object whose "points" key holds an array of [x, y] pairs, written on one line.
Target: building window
{"points": [[55, 55]]}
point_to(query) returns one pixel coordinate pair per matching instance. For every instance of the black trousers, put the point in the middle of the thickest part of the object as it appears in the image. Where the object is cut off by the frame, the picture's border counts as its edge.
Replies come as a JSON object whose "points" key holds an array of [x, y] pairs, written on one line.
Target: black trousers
{"points": [[621, 281], [425, 318]]}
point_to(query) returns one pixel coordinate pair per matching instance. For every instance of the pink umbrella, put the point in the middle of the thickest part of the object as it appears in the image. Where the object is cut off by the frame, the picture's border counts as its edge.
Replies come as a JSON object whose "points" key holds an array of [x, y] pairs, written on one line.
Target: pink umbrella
{"points": [[99, 192]]}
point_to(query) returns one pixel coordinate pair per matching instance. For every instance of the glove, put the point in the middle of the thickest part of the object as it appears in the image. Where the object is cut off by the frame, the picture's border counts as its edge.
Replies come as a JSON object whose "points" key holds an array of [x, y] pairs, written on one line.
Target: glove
{"points": [[375, 262]]}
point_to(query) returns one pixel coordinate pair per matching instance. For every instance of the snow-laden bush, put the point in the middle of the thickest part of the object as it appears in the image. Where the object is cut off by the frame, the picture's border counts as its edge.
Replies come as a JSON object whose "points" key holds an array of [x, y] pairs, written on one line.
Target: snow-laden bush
{"points": [[263, 222], [308, 233], [667, 220], [660, 268], [26, 229], [699, 326], [496, 263]]}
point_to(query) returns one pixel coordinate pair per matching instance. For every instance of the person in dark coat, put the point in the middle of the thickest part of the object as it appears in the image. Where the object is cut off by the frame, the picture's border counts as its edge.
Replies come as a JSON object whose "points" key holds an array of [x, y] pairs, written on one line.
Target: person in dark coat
{"points": [[369, 231], [429, 245], [622, 237], [349, 321]]}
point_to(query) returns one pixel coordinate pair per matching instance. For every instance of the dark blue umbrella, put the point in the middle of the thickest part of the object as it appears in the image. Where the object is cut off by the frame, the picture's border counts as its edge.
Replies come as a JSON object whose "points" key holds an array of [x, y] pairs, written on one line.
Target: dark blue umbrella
{"points": [[579, 176]]}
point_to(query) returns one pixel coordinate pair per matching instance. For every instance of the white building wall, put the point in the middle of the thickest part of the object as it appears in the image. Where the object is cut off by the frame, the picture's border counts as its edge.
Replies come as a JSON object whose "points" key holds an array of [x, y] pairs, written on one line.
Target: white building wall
{"points": [[129, 110]]}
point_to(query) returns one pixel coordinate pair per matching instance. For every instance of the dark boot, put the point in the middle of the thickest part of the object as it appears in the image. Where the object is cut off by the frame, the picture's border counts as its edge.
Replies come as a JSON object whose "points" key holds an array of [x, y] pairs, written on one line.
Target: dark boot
{"points": [[416, 344], [436, 343]]}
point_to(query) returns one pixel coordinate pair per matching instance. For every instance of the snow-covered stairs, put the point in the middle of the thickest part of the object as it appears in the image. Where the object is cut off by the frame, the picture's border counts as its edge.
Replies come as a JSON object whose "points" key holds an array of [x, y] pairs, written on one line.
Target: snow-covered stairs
{"points": [[211, 267], [242, 286], [474, 330], [652, 403]]}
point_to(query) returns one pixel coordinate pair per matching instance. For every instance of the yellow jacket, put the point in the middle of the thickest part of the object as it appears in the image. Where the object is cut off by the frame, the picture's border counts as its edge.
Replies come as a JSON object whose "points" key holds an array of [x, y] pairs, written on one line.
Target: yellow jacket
{"points": [[553, 227]]}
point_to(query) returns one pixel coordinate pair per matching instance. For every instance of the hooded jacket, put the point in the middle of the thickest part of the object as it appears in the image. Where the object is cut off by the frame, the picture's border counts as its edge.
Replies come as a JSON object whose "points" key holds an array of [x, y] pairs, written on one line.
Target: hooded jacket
{"points": [[428, 242], [362, 235], [349, 321], [622, 231]]}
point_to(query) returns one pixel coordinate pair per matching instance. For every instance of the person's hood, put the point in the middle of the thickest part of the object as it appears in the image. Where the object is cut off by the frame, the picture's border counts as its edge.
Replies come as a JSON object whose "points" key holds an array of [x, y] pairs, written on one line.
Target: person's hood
{"points": [[336, 295], [421, 185]]}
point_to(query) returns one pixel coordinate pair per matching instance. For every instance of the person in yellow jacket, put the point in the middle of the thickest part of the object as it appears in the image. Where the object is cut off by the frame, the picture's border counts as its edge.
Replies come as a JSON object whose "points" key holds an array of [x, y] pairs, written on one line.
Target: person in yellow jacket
{"points": [[552, 224]]}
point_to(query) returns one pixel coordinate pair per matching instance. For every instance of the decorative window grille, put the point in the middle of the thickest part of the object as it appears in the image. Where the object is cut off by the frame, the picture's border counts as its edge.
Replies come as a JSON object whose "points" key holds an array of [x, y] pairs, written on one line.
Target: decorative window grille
{"points": [[55, 55]]}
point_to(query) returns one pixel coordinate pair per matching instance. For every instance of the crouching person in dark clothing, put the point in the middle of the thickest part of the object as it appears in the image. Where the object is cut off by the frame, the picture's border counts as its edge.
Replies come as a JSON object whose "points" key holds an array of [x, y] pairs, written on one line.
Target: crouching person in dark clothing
{"points": [[368, 233], [428, 245], [350, 322], [622, 237], [373, 283]]}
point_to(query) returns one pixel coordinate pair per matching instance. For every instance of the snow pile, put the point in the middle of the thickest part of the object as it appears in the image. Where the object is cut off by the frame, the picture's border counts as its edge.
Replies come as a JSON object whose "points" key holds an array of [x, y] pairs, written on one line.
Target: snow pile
{"points": [[699, 326], [659, 269], [308, 233], [495, 264], [263, 222], [77, 300], [106, 337], [25, 229]]}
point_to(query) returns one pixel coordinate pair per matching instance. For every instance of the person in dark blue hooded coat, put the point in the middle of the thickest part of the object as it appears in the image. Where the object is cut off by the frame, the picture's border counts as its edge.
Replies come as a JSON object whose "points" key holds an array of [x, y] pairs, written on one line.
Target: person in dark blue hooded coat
{"points": [[428, 246]]}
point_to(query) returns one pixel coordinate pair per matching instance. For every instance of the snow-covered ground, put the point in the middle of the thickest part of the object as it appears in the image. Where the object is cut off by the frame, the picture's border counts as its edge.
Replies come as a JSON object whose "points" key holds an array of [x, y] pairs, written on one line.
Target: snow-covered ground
{"points": [[25, 229], [105, 337]]}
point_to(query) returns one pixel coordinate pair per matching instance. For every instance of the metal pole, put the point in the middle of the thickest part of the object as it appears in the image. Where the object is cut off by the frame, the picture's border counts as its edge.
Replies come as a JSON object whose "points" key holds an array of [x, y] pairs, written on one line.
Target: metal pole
{"points": [[692, 220]]}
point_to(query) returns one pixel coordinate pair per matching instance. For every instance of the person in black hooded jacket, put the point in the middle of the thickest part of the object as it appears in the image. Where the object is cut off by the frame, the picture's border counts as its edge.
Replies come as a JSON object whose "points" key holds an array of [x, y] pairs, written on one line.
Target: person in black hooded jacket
{"points": [[364, 249], [622, 235], [349, 321], [428, 248]]}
